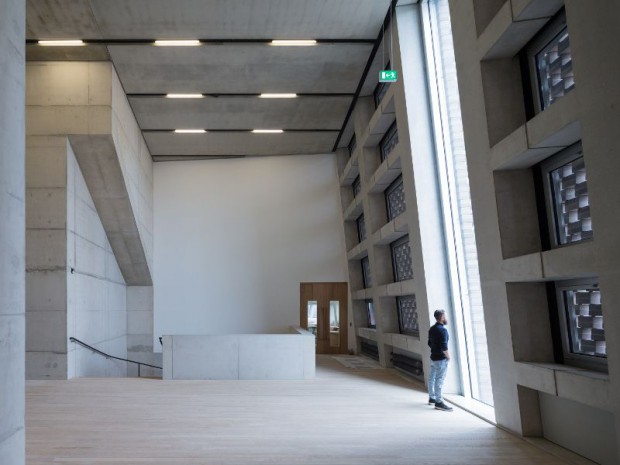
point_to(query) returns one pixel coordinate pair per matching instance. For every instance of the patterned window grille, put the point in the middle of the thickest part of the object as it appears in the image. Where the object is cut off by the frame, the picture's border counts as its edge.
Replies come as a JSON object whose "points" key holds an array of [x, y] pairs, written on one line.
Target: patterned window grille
{"points": [[572, 204], [370, 311], [568, 202], [361, 228], [401, 259], [554, 66], [395, 199], [366, 273], [389, 141], [357, 186], [352, 145], [587, 332], [408, 315]]}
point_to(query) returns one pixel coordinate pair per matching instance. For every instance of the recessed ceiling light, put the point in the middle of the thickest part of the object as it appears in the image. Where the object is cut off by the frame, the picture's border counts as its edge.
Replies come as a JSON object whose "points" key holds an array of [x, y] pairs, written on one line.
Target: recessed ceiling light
{"points": [[177, 43], [62, 43], [184, 96], [294, 43], [267, 131], [278, 95], [190, 131]]}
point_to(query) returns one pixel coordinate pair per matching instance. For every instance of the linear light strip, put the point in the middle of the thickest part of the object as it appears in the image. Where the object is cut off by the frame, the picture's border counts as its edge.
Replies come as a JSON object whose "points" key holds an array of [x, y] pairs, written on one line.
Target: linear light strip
{"points": [[177, 43], [267, 131], [294, 43], [184, 96], [62, 43], [190, 131], [277, 96]]}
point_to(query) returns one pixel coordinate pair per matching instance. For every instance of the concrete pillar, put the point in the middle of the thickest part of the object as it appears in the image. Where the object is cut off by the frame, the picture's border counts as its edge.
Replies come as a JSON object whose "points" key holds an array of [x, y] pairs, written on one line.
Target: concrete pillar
{"points": [[12, 220]]}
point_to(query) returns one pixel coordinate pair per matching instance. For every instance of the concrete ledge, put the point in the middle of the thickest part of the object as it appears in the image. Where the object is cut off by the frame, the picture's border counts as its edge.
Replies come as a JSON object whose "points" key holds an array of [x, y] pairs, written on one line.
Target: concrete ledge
{"points": [[354, 210], [524, 268], [367, 333], [573, 261], [396, 289], [361, 294], [392, 231], [404, 342], [351, 170], [359, 251], [240, 356], [584, 386]]}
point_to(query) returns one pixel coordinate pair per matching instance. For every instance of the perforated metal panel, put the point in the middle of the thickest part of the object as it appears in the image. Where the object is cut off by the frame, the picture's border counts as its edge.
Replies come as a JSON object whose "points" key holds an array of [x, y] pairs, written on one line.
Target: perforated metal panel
{"points": [[555, 69], [401, 259], [395, 199], [389, 141], [571, 202], [585, 322], [408, 315]]}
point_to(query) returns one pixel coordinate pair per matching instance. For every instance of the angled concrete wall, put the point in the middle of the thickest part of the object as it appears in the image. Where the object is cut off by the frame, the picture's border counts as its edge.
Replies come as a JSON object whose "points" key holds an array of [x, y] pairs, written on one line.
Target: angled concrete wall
{"points": [[12, 220], [106, 218]]}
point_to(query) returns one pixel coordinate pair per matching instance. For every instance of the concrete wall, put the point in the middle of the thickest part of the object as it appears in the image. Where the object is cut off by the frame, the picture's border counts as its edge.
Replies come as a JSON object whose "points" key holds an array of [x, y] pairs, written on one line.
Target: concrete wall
{"points": [[96, 292], [503, 144], [12, 225], [74, 285], [234, 238], [240, 356], [46, 257]]}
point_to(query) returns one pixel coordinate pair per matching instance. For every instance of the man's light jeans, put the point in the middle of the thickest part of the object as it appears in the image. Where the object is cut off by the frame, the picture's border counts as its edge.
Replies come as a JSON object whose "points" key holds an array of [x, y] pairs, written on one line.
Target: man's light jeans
{"points": [[439, 368]]}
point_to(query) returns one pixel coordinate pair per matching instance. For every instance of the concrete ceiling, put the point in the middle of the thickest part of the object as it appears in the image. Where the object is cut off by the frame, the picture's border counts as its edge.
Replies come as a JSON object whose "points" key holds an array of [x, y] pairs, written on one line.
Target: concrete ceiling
{"points": [[233, 65]]}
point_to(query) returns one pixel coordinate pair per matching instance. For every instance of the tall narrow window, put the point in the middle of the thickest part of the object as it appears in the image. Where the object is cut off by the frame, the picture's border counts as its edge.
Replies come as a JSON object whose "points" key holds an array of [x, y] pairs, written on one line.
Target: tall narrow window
{"points": [[389, 141], [567, 200], [361, 228], [551, 64], [408, 315], [357, 186], [460, 237], [366, 277], [401, 259], [352, 145], [395, 199], [582, 323], [370, 311]]}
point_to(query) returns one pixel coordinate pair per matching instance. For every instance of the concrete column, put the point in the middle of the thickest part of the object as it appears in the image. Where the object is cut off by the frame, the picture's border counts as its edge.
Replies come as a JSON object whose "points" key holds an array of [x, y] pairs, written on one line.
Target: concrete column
{"points": [[12, 220]]}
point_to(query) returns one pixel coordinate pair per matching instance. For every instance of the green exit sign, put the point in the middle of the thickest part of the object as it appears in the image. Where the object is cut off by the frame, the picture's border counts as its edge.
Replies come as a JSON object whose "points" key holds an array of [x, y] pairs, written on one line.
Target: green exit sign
{"points": [[388, 75]]}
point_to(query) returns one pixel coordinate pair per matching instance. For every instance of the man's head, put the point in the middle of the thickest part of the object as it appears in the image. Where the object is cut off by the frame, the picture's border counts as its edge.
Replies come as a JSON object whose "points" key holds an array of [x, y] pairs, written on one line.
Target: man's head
{"points": [[440, 316]]}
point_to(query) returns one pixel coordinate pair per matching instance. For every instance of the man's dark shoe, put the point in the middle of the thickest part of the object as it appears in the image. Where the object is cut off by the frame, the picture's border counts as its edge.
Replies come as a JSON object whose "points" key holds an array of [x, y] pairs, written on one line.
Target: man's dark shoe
{"points": [[444, 407], [431, 401]]}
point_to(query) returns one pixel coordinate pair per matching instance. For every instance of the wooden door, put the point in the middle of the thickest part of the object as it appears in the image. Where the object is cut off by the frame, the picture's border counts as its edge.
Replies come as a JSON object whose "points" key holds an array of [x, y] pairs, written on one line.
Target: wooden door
{"points": [[324, 311]]}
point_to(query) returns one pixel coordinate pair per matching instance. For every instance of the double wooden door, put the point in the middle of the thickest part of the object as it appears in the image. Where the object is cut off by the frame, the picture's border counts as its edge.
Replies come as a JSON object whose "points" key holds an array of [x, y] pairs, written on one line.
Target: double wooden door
{"points": [[324, 312]]}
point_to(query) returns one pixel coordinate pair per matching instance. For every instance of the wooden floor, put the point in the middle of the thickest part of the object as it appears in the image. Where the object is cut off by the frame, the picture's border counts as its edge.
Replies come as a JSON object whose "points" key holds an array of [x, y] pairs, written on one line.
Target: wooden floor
{"points": [[344, 416]]}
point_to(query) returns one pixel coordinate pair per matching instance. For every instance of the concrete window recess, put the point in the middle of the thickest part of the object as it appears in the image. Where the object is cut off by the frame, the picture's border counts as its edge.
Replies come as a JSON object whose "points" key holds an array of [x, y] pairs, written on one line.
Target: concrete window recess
{"points": [[389, 141], [460, 235], [401, 259], [582, 324], [408, 315], [395, 199], [566, 197]]}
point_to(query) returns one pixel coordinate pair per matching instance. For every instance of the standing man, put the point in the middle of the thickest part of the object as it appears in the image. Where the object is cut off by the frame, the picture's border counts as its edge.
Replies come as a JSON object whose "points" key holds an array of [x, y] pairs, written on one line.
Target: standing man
{"points": [[438, 342]]}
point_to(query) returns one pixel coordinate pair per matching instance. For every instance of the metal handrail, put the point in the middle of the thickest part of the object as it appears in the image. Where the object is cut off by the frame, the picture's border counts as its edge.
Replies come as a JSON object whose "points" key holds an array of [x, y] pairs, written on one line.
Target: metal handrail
{"points": [[108, 356]]}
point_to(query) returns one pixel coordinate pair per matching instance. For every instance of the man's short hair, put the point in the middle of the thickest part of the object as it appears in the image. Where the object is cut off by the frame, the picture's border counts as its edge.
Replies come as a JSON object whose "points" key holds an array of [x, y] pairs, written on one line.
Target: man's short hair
{"points": [[439, 313]]}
